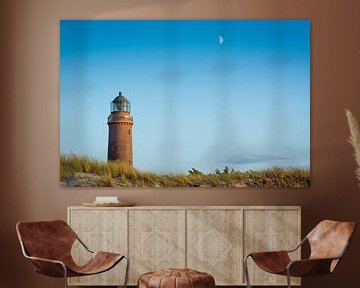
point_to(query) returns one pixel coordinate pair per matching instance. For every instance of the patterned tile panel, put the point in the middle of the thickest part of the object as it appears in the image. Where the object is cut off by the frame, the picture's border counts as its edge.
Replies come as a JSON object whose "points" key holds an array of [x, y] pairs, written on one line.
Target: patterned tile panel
{"points": [[156, 246], [270, 230], [214, 241], [157, 241], [100, 230], [213, 246]]}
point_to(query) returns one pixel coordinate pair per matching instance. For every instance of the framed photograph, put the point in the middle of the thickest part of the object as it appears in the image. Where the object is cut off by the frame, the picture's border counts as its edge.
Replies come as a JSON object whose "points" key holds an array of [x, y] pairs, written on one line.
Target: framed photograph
{"points": [[185, 103]]}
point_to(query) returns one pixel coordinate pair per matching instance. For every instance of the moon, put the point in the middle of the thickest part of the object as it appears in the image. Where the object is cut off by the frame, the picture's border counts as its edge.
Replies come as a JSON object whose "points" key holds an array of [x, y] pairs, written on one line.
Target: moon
{"points": [[221, 39]]}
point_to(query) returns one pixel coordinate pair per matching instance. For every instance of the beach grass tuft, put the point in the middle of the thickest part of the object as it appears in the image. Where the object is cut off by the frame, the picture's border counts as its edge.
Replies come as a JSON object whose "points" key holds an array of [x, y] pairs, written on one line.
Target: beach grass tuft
{"points": [[117, 174]]}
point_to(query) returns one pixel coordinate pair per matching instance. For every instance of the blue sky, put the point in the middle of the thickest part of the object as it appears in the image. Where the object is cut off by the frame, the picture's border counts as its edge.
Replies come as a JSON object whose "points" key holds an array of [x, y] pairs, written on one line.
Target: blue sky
{"points": [[196, 103]]}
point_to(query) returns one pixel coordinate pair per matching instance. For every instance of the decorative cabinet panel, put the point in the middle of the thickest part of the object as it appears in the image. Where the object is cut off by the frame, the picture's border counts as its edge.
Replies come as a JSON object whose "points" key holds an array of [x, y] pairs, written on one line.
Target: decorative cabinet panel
{"points": [[214, 241], [156, 240], [269, 230], [210, 239], [101, 230]]}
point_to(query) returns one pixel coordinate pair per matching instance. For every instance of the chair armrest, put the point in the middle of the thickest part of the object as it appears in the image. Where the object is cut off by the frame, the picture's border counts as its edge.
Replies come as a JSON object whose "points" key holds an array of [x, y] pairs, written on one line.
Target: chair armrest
{"points": [[268, 253], [280, 251], [84, 245], [309, 267], [46, 260], [49, 267], [298, 246], [271, 261]]}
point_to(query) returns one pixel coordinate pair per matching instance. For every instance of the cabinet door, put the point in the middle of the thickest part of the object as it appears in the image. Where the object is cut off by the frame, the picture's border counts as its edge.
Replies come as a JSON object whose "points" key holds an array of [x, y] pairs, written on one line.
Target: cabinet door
{"points": [[271, 230], [214, 244], [156, 240], [100, 230]]}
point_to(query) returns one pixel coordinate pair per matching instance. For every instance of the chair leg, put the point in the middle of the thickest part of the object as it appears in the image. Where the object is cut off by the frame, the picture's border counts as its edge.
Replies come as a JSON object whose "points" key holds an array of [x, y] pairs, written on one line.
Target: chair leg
{"points": [[246, 272], [65, 276], [127, 271], [288, 278]]}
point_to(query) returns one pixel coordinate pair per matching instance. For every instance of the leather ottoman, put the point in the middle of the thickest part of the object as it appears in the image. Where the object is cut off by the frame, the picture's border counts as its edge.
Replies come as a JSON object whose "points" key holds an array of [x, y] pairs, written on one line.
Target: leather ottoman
{"points": [[176, 278]]}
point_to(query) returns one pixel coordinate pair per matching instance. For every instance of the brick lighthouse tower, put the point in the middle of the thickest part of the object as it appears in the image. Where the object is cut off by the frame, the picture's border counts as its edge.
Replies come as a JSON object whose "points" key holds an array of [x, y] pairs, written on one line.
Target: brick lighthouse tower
{"points": [[120, 131]]}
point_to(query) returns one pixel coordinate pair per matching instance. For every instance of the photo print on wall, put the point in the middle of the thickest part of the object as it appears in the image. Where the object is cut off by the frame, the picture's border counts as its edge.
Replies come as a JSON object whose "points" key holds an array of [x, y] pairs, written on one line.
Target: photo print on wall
{"points": [[185, 103]]}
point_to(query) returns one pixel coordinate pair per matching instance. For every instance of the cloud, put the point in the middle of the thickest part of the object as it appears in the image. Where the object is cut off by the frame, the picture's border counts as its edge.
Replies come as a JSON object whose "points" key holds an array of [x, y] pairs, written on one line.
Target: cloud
{"points": [[254, 159]]}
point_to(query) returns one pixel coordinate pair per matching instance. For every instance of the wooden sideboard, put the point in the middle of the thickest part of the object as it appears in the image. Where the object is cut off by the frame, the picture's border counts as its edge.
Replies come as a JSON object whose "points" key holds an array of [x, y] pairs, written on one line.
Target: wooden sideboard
{"points": [[212, 239]]}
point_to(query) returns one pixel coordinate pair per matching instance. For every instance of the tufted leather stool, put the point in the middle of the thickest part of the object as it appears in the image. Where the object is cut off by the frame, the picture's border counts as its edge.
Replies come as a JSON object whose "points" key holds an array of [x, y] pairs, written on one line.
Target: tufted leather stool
{"points": [[176, 278]]}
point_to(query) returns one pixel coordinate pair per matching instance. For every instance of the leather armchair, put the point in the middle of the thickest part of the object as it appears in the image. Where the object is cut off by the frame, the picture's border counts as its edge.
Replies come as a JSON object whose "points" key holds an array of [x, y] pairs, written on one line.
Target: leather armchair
{"points": [[48, 245], [328, 242]]}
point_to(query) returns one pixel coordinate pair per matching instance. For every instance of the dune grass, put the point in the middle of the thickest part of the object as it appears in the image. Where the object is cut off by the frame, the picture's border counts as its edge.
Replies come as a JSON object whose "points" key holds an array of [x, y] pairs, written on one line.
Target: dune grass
{"points": [[354, 140], [109, 174]]}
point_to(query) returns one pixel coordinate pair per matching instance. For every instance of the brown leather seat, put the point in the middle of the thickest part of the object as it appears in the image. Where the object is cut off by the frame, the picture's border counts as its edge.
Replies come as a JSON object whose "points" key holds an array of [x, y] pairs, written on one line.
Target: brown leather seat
{"points": [[176, 278], [328, 242], [48, 245]]}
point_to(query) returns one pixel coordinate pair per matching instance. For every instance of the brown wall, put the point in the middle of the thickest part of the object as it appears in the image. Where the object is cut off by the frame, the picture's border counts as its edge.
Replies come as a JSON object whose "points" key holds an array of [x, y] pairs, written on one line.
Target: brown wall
{"points": [[29, 119]]}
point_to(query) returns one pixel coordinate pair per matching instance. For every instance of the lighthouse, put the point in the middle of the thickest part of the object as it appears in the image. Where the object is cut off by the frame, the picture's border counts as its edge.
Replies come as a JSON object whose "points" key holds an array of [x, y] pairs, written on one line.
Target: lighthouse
{"points": [[120, 131]]}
